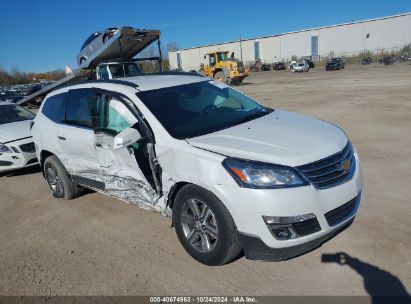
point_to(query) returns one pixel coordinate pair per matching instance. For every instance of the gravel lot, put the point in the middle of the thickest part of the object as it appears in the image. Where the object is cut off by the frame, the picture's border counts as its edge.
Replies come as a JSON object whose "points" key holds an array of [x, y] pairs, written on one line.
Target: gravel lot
{"points": [[96, 245]]}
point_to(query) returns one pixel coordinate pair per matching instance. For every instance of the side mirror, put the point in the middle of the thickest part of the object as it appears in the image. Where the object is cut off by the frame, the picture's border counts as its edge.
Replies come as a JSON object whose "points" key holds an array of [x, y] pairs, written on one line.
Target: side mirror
{"points": [[126, 138], [205, 56], [232, 55]]}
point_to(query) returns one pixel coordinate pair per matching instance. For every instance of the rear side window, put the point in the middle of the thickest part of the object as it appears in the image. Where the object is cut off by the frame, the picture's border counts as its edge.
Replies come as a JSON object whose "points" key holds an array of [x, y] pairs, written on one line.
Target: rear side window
{"points": [[55, 108], [81, 108]]}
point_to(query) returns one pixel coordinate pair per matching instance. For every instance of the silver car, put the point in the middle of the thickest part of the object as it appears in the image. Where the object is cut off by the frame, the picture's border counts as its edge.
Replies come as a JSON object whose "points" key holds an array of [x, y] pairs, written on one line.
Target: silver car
{"points": [[94, 42]]}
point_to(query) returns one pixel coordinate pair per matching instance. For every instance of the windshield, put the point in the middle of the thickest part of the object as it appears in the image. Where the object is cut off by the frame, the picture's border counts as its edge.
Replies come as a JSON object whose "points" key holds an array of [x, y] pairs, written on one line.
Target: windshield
{"points": [[200, 108], [13, 113], [222, 56]]}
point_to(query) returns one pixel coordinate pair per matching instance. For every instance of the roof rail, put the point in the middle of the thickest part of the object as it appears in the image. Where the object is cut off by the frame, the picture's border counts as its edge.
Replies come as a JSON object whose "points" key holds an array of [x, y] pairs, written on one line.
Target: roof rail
{"points": [[174, 73], [114, 81]]}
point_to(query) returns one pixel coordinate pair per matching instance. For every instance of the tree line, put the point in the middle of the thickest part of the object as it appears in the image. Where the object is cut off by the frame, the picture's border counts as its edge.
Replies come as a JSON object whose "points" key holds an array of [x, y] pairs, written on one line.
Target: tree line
{"points": [[17, 77]]}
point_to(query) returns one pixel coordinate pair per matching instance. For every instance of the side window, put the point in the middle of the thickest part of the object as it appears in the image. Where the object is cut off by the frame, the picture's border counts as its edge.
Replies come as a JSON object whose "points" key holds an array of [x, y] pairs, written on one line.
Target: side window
{"points": [[81, 108], [103, 73], [55, 107], [113, 114], [212, 60]]}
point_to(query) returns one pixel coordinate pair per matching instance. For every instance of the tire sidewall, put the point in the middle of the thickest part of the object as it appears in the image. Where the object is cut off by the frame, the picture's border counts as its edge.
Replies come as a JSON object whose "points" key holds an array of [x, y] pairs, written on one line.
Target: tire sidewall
{"points": [[219, 252], [70, 190], [52, 163]]}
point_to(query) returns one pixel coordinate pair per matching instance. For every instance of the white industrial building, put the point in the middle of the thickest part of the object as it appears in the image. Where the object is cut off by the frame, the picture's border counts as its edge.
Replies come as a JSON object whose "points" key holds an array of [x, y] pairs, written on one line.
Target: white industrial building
{"points": [[387, 33]]}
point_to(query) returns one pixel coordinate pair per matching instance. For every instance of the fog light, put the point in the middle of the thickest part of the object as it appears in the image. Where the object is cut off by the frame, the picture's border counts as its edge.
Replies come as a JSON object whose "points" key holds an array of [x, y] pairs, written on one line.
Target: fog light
{"points": [[291, 227], [283, 233]]}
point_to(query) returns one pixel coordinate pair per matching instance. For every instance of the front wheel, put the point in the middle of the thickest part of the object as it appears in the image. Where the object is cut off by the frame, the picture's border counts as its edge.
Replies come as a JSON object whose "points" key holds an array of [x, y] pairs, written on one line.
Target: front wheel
{"points": [[204, 226], [219, 76], [59, 180]]}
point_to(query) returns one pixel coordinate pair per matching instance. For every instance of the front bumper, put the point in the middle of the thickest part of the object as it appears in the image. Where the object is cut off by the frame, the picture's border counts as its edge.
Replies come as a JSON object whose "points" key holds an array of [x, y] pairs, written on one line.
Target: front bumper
{"points": [[19, 158], [248, 206], [255, 249]]}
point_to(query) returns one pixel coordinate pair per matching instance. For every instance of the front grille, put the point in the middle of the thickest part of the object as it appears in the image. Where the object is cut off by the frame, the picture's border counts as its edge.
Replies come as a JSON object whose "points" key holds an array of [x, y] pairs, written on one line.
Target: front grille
{"points": [[331, 171], [4, 163], [29, 148], [343, 212], [306, 227]]}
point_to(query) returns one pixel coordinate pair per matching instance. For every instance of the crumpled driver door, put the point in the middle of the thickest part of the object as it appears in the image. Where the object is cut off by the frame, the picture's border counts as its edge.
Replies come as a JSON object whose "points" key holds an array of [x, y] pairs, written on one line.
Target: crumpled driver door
{"points": [[125, 172]]}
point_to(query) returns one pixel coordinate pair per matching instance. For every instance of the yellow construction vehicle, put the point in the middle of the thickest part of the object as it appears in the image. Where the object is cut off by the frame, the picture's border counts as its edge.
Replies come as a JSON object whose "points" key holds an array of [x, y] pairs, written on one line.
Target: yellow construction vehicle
{"points": [[223, 68]]}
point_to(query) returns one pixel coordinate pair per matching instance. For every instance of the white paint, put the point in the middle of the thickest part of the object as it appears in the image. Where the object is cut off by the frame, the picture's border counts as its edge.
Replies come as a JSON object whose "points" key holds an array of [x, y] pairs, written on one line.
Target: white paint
{"points": [[280, 138]]}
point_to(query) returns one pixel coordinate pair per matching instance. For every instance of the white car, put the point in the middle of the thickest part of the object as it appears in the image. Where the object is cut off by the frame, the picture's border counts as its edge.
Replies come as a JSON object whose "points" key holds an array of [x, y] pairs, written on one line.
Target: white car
{"points": [[300, 67], [232, 173], [16, 144]]}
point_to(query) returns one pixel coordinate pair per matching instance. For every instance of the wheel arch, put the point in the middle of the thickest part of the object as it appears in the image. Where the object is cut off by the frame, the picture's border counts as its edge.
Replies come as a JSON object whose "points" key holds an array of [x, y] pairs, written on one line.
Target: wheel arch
{"points": [[43, 155], [173, 193], [217, 70]]}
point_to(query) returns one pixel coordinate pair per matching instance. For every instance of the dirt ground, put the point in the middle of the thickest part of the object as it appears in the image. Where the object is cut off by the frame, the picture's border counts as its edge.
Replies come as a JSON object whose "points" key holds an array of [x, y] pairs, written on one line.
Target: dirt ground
{"points": [[97, 245]]}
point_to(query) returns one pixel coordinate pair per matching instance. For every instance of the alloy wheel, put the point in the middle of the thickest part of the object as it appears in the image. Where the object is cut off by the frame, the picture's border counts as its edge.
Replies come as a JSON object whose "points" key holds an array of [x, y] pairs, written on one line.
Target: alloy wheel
{"points": [[54, 180], [199, 225]]}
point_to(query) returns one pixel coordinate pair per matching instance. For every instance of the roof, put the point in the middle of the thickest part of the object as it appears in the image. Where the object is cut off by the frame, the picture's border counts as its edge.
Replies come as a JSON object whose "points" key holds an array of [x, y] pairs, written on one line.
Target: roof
{"points": [[299, 31], [146, 82], [158, 81]]}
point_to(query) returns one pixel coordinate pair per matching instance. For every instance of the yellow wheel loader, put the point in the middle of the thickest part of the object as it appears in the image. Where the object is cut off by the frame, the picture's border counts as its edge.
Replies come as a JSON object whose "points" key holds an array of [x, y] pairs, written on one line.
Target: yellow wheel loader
{"points": [[223, 68]]}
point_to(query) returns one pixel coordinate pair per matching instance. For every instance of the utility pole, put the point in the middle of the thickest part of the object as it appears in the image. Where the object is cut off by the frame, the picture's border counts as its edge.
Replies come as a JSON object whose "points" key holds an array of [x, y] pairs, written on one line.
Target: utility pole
{"points": [[241, 50]]}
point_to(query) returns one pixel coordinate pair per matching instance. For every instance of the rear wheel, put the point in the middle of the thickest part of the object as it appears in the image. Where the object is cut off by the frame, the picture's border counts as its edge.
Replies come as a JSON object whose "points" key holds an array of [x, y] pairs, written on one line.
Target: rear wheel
{"points": [[82, 59], [59, 180], [204, 226]]}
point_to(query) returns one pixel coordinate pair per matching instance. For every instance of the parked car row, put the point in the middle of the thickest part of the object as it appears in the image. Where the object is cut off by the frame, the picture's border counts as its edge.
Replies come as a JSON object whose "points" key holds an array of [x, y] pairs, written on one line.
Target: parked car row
{"points": [[16, 92], [277, 66]]}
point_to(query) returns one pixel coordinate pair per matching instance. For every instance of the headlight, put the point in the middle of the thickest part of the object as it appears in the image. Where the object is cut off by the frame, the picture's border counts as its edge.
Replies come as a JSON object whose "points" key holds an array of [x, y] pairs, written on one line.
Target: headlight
{"points": [[250, 174], [4, 149]]}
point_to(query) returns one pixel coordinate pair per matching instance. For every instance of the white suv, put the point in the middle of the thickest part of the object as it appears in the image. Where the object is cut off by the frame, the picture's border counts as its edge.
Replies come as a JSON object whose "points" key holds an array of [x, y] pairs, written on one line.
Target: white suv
{"points": [[232, 173]]}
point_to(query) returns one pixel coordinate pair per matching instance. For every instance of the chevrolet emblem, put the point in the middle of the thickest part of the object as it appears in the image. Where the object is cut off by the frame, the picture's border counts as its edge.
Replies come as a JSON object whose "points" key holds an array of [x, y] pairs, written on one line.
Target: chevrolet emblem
{"points": [[346, 165]]}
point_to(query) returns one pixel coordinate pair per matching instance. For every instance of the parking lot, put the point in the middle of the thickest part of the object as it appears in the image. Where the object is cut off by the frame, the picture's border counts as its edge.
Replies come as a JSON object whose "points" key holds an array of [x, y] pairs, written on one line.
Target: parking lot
{"points": [[99, 245]]}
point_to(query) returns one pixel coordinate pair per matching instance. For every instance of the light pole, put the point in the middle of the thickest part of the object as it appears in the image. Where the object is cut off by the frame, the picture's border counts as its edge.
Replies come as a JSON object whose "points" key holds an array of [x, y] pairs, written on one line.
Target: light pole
{"points": [[241, 50]]}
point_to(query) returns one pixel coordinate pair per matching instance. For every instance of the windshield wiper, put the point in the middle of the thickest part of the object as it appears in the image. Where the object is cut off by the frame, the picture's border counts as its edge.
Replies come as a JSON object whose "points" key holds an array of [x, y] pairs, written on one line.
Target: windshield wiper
{"points": [[256, 115]]}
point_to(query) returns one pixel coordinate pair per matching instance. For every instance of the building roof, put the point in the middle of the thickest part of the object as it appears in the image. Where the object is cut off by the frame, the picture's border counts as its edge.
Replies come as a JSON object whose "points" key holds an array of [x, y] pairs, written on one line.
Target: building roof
{"points": [[293, 32]]}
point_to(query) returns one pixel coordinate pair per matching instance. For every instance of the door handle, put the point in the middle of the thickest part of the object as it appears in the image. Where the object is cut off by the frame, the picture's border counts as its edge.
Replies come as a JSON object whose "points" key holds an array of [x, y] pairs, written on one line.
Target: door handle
{"points": [[61, 137]]}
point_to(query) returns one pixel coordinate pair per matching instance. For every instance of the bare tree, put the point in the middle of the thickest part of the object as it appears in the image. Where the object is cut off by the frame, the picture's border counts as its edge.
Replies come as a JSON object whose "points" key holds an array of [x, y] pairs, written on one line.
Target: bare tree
{"points": [[172, 46]]}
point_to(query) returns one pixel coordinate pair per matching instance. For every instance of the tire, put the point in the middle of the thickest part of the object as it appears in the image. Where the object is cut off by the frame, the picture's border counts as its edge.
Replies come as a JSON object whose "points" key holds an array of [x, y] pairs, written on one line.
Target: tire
{"points": [[59, 180], [223, 243], [219, 76], [82, 59]]}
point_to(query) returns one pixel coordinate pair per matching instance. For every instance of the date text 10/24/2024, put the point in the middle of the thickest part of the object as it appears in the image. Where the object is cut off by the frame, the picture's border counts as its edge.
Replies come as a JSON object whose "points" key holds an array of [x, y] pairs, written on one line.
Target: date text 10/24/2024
{"points": [[204, 299]]}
